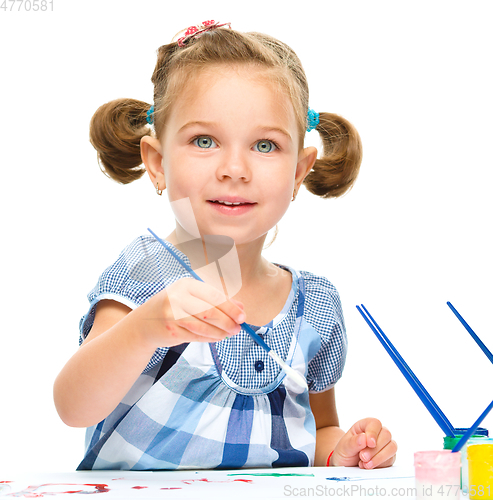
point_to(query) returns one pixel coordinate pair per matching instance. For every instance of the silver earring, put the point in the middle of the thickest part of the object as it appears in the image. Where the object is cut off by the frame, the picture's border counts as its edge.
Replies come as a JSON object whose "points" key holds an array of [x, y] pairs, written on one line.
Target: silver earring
{"points": [[158, 191]]}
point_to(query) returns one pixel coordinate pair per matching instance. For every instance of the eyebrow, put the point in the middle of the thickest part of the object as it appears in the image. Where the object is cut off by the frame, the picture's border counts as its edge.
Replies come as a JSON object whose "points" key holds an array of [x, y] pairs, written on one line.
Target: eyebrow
{"points": [[191, 124], [276, 129], [212, 124]]}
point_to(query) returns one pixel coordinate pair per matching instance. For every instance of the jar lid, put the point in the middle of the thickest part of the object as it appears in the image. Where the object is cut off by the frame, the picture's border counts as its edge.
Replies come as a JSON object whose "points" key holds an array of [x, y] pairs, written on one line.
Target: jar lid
{"points": [[449, 442], [480, 431]]}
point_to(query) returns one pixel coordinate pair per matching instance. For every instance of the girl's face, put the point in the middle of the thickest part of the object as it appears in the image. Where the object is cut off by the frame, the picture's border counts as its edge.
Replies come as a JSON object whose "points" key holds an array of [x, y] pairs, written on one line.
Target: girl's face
{"points": [[231, 136]]}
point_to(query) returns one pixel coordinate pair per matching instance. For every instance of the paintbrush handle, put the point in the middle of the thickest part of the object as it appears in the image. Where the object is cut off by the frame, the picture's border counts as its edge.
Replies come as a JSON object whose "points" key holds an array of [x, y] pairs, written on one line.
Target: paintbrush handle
{"points": [[290, 372], [246, 327], [406, 371], [488, 353], [449, 426], [463, 440]]}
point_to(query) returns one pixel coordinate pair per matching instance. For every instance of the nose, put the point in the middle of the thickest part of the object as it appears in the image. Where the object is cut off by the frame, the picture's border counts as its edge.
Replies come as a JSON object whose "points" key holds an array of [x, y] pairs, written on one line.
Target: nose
{"points": [[234, 165]]}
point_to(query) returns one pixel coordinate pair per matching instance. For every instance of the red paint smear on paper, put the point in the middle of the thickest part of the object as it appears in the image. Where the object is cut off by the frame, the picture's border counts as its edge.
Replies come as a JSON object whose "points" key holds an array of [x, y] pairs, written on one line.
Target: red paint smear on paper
{"points": [[139, 487], [101, 488], [30, 491], [205, 480], [3, 482], [170, 488]]}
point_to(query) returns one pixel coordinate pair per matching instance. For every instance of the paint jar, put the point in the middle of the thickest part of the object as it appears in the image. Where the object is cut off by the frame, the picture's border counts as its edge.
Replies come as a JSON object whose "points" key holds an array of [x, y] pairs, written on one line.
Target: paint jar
{"points": [[480, 459], [450, 442], [465, 460], [437, 474]]}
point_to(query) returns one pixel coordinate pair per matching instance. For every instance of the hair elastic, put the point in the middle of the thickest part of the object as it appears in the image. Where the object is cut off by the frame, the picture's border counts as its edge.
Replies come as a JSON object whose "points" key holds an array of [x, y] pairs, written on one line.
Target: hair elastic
{"points": [[313, 119], [150, 117]]}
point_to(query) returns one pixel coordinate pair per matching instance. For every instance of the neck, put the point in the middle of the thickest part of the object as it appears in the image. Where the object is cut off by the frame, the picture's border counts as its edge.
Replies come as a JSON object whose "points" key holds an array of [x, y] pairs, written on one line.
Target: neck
{"points": [[210, 248]]}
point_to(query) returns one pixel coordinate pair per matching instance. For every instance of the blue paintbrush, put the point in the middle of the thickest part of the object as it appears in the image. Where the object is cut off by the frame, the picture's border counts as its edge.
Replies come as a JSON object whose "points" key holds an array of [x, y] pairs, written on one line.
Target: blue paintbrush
{"points": [[471, 332], [290, 372], [463, 440], [409, 375]]}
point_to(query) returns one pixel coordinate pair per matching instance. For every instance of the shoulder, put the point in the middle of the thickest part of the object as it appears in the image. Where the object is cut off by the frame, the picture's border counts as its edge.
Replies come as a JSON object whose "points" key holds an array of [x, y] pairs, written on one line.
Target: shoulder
{"points": [[142, 269], [322, 308], [317, 283], [320, 294], [323, 312]]}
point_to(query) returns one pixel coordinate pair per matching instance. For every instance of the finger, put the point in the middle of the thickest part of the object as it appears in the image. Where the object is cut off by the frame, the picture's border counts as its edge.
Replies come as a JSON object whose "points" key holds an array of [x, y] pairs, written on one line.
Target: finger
{"points": [[216, 298], [348, 449], [184, 305], [371, 427], [234, 310], [212, 323], [182, 334], [188, 297], [384, 458], [192, 307], [383, 439]]}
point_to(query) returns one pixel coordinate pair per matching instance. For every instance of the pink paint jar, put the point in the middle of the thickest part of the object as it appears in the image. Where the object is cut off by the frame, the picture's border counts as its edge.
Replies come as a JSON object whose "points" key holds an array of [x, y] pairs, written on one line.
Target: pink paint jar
{"points": [[437, 474]]}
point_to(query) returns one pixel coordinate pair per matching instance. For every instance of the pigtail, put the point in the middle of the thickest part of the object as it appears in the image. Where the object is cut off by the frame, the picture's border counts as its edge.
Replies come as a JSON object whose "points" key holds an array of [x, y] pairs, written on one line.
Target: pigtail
{"points": [[335, 173], [115, 132]]}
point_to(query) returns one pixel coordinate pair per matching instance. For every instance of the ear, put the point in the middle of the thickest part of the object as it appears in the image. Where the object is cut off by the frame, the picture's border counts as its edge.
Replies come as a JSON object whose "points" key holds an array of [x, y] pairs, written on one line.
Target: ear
{"points": [[306, 160], [152, 156]]}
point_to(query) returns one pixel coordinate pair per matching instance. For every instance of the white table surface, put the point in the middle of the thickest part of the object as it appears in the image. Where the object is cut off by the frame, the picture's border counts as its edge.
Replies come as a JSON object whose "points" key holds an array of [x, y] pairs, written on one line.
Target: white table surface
{"points": [[315, 482]]}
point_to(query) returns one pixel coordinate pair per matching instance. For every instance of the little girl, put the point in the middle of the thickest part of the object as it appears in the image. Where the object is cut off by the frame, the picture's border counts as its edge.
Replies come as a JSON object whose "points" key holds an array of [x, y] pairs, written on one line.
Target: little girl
{"points": [[166, 378]]}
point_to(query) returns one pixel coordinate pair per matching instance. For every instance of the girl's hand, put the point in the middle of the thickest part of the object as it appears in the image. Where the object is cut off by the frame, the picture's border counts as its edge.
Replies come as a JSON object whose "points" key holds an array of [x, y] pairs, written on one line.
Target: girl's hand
{"points": [[367, 444], [189, 311]]}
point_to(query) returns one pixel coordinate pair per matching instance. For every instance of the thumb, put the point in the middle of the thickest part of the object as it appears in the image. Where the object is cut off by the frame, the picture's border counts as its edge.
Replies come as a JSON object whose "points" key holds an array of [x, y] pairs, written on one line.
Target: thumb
{"points": [[347, 451]]}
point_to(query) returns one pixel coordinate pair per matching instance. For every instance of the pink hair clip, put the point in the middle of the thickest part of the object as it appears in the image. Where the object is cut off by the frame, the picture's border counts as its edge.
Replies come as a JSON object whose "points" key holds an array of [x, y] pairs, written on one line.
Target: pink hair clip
{"points": [[194, 32]]}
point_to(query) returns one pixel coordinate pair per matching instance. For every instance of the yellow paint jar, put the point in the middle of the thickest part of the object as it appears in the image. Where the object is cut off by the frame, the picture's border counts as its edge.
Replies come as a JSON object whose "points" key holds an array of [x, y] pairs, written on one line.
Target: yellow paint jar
{"points": [[480, 459]]}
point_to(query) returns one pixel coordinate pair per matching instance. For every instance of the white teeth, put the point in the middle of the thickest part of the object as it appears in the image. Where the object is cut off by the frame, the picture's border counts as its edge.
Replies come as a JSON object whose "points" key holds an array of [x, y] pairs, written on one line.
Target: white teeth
{"points": [[228, 203]]}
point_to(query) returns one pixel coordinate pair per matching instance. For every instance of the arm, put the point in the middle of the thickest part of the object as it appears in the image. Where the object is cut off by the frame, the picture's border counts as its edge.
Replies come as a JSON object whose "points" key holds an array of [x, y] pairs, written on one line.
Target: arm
{"points": [[324, 410], [367, 444], [100, 373], [121, 342]]}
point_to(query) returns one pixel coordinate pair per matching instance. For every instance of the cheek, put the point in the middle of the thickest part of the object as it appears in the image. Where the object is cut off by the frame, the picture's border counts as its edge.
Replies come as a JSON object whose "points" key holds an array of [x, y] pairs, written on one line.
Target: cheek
{"points": [[184, 212], [179, 183], [181, 188], [284, 185]]}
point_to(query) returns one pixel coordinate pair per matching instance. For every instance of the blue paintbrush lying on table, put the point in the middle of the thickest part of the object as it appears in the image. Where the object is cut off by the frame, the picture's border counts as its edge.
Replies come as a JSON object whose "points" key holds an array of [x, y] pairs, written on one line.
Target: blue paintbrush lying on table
{"points": [[290, 372], [418, 388]]}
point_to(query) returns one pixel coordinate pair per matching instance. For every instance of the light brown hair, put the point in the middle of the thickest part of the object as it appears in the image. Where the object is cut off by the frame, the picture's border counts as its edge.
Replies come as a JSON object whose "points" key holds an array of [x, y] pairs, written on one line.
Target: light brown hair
{"points": [[118, 126]]}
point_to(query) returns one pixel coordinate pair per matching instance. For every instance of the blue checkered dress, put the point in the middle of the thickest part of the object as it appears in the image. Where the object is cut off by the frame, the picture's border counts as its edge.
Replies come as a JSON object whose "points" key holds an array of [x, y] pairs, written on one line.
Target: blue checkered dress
{"points": [[222, 405]]}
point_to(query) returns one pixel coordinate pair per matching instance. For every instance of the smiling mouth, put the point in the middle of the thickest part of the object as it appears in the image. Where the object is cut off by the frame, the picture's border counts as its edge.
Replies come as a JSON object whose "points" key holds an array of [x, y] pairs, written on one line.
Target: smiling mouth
{"points": [[229, 204]]}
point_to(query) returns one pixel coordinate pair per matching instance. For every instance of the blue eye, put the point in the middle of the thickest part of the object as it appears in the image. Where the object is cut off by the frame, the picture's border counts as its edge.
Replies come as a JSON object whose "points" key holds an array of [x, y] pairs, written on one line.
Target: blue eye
{"points": [[265, 147], [204, 142]]}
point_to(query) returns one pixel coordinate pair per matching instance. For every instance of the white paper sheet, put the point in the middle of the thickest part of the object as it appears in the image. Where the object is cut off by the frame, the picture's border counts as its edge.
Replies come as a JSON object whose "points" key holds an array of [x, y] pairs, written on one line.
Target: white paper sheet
{"points": [[257, 484]]}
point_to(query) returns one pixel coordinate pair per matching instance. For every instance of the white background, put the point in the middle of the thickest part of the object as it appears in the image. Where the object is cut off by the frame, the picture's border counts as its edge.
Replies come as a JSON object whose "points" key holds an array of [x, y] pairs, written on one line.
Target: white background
{"points": [[414, 78]]}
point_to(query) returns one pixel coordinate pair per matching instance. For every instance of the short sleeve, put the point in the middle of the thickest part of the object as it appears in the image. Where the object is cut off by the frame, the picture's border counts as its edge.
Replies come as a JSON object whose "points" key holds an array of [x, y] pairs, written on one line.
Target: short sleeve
{"points": [[323, 311], [141, 270]]}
